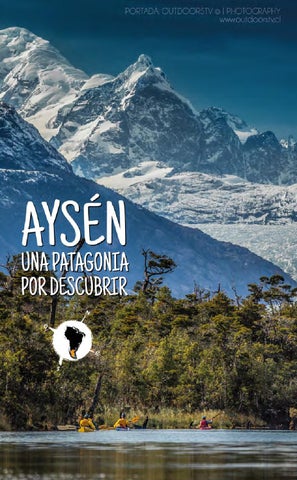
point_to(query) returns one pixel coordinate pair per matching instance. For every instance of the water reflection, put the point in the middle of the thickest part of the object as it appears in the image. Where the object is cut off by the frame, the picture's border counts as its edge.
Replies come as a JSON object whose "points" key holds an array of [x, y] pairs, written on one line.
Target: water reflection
{"points": [[219, 456]]}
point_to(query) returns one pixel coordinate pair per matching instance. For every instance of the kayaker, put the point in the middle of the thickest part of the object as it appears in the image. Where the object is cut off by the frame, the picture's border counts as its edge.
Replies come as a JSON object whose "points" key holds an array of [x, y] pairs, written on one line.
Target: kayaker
{"points": [[204, 423], [121, 422], [86, 424]]}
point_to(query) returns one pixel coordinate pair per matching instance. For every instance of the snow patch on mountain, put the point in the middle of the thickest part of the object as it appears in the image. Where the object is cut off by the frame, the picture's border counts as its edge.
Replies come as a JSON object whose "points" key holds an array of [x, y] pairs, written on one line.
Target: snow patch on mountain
{"points": [[144, 172], [96, 81], [243, 135], [290, 142]]}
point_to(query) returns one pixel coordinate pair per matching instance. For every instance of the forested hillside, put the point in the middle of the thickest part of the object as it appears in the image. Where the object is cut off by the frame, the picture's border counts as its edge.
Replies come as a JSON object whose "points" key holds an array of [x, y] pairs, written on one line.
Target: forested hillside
{"points": [[150, 351]]}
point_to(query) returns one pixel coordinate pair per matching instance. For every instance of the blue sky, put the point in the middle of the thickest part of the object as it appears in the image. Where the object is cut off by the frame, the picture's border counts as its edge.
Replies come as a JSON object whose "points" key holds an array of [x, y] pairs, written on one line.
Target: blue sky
{"points": [[250, 69]]}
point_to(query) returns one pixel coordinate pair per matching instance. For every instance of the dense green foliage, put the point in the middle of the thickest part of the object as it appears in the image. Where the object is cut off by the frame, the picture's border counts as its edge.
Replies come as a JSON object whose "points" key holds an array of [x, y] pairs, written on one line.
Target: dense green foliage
{"points": [[153, 351]]}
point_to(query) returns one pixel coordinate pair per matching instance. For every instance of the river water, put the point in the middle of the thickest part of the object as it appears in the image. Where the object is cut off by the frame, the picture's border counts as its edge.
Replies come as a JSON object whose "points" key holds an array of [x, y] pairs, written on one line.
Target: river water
{"points": [[149, 455]]}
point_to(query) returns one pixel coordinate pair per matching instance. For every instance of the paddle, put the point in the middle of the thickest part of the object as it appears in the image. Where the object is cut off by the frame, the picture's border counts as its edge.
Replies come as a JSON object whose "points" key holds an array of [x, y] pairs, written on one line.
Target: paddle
{"points": [[220, 413], [133, 420]]}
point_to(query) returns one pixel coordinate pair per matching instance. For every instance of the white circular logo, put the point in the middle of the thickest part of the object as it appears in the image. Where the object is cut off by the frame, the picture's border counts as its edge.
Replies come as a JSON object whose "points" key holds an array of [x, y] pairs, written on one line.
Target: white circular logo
{"points": [[72, 340]]}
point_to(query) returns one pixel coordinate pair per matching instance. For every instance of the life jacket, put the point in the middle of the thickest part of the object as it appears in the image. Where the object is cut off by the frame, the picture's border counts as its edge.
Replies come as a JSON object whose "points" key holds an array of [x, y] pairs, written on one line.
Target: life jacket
{"points": [[203, 424], [87, 422], [122, 422]]}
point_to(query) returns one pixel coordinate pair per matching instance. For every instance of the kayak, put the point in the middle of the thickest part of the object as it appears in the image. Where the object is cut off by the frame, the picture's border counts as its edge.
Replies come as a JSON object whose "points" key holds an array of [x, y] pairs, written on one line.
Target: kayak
{"points": [[66, 428], [121, 429], [204, 428]]}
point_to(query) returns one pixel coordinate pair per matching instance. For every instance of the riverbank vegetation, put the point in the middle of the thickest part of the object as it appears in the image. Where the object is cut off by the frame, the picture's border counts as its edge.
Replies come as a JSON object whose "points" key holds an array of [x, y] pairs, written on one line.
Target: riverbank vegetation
{"points": [[171, 359]]}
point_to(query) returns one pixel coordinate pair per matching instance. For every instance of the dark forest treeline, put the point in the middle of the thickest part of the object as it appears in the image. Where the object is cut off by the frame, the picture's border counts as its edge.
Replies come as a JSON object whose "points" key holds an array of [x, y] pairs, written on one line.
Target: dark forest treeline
{"points": [[151, 351]]}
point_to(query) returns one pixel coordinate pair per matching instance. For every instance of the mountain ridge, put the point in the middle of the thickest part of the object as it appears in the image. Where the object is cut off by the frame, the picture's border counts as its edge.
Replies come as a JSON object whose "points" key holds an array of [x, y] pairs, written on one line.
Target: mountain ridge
{"points": [[140, 117], [199, 257]]}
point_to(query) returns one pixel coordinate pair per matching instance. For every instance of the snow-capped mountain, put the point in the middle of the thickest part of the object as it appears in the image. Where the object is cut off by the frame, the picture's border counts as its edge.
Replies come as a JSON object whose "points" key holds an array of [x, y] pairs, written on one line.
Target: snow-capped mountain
{"points": [[199, 257], [105, 125], [138, 117], [35, 78], [131, 117]]}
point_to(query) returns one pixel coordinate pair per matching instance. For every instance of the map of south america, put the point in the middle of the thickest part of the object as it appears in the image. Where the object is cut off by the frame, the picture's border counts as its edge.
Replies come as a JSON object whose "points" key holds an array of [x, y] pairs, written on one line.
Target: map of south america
{"points": [[75, 337]]}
